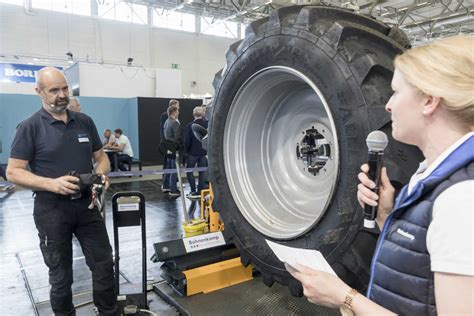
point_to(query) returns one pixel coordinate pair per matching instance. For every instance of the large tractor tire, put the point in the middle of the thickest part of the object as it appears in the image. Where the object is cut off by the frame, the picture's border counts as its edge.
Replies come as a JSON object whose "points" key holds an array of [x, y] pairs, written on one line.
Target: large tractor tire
{"points": [[291, 112]]}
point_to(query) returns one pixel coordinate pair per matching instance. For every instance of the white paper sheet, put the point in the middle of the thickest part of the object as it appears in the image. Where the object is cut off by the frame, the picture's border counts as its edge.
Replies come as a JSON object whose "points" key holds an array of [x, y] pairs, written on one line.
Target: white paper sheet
{"points": [[310, 258]]}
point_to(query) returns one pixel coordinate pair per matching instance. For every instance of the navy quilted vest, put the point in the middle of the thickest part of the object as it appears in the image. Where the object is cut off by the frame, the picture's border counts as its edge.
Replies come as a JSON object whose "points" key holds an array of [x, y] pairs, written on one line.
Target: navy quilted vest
{"points": [[401, 278]]}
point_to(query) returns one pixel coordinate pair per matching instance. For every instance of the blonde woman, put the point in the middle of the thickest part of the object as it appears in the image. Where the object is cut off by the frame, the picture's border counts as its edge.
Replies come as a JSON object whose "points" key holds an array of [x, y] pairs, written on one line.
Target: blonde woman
{"points": [[424, 262]]}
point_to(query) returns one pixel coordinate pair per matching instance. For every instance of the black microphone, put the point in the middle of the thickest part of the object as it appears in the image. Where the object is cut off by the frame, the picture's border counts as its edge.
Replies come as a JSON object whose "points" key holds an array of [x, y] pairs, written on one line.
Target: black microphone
{"points": [[376, 141]]}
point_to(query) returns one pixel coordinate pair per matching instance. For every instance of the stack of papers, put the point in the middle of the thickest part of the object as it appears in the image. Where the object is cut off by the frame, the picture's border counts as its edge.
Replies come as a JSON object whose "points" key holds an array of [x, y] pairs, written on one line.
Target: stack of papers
{"points": [[310, 258]]}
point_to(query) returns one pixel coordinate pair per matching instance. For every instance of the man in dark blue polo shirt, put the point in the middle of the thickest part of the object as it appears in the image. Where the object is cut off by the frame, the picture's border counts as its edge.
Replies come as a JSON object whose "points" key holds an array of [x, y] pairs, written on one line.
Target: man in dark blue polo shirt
{"points": [[53, 142]]}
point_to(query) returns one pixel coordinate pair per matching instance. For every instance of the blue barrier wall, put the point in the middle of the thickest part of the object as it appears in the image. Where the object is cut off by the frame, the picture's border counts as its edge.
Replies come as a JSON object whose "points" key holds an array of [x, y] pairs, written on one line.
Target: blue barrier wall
{"points": [[109, 113]]}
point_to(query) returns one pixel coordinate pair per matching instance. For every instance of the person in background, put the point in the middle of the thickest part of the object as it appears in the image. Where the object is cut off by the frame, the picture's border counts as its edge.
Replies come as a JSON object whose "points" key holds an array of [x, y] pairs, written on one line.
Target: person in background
{"points": [[108, 144], [204, 110], [424, 262], [172, 133], [196, 155], [163, 117], [122, 143], [53, 142], [74, 104], [109, 139], [3, 172]]}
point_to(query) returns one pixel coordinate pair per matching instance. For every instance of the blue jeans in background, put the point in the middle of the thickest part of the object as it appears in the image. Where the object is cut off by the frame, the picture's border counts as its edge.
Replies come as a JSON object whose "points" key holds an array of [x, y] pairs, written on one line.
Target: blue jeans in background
{"points": [[173, 177], [166, 176], [191, 162]]}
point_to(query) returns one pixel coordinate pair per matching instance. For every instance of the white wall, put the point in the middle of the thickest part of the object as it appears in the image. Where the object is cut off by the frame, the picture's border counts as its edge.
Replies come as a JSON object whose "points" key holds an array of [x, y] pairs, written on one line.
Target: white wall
{"points": [[169, 83], [50, 35], [116, 81]]}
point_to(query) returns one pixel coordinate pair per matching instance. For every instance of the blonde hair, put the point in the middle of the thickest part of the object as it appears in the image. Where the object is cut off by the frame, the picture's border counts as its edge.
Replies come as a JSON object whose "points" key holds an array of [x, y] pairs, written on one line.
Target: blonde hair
{"points": [[198, 112], [445, 69], [173, 102]]}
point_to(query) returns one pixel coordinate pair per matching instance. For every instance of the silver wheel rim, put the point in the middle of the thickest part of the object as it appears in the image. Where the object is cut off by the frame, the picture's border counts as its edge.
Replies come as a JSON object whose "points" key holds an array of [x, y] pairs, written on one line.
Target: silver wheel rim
{"points": [[279, 192]]}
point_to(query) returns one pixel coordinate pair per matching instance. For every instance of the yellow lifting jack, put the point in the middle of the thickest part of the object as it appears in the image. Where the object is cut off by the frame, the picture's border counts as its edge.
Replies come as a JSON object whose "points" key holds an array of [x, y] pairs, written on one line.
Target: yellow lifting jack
{"points": [[217, 275], [203, 261], [209, 222]]}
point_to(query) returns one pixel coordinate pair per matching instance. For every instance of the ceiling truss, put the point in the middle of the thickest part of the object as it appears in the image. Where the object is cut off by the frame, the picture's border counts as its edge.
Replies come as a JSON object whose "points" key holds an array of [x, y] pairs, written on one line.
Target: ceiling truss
{"points": [[420, 19]]}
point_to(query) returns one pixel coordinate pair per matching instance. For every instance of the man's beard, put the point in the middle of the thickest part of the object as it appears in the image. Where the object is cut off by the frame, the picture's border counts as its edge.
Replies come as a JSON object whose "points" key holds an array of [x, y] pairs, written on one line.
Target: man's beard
{"points": [[59, 107]]}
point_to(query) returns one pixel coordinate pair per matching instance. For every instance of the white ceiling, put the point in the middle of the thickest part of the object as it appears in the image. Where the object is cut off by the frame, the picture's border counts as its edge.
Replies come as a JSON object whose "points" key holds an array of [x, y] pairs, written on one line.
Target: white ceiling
{"points": [[420, 19]]}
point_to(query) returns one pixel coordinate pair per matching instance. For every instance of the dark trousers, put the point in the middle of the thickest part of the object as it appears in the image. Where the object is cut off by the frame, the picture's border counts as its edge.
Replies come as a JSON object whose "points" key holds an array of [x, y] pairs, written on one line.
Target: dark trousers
{"points": [[56, 220], [173, 177], [121, 159], [3, 172], [191, 162], [166, 176], [112, 157]]}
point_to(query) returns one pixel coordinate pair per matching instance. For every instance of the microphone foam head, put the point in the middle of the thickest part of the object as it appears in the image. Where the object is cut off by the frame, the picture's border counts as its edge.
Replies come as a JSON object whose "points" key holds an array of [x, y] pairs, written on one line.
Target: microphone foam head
{"points": [[377, 141]]}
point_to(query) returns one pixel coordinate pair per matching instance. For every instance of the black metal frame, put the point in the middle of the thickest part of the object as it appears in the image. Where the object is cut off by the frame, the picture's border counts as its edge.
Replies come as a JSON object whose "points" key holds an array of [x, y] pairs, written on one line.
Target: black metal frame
{"points": [[124, 219]]}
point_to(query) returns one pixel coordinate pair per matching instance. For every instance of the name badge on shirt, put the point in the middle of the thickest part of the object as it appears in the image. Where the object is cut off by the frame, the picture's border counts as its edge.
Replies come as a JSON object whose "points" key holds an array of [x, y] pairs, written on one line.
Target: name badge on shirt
{"points": [[82, 138]]}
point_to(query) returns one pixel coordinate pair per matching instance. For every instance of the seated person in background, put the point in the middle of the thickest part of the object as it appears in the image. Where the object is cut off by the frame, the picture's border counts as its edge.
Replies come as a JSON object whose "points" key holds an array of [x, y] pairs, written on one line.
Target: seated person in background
{"points": [[109, 139], [108, 143], [196, 155], [122, 144], [74, 105], [3, 173]]}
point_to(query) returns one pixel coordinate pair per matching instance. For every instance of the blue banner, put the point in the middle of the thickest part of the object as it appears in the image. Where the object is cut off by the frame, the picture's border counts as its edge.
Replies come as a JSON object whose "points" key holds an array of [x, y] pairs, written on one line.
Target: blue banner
{"points": [[19, 72]]}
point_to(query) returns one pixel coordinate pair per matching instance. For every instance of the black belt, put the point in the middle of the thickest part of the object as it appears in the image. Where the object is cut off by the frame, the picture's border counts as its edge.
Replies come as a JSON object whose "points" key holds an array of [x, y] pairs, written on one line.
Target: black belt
{"points": [[51, 195]]}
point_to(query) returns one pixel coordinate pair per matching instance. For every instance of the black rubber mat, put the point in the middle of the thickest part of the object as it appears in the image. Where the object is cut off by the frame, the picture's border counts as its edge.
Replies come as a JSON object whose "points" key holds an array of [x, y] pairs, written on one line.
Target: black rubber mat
{"points": [[248, 298]]}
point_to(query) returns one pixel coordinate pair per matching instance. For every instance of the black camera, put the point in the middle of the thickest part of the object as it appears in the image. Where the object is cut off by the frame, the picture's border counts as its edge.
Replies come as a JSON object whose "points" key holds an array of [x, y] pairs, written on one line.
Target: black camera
{"points": [[86, 181]]}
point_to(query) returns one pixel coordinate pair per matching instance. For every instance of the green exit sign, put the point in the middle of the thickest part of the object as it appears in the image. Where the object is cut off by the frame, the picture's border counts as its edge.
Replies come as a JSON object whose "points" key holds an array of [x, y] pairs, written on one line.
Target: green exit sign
{"points": [[175, 66]]}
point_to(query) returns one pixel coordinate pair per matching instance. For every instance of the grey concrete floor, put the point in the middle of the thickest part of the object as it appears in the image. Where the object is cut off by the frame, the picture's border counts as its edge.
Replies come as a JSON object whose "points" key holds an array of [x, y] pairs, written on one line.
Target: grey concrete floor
{"points": [[24, 287], [23, 275]]}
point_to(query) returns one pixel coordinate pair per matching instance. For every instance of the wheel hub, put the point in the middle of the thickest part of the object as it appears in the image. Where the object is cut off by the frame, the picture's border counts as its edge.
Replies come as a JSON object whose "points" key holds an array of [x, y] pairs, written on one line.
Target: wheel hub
{"points": [[313, 150]]}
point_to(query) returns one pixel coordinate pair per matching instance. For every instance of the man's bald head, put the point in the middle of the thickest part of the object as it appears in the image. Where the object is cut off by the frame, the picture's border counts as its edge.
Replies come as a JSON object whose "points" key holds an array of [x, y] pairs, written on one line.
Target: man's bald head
{"points": [[48, 74]]}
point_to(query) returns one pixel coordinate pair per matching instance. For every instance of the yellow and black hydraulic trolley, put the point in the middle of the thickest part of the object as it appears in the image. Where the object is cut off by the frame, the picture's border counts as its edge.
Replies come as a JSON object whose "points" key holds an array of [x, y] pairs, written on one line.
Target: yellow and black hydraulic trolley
{"points": [[204, 260]]}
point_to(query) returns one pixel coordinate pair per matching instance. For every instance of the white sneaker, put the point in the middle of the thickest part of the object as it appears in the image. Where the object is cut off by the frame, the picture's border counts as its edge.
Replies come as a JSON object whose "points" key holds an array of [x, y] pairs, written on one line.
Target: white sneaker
{"points": [[174, 193]]}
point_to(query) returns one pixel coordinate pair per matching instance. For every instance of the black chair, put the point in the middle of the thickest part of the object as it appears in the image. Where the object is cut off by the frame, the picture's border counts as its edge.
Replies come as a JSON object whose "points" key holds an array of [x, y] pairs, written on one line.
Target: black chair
{"points": [[134, 162]]}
